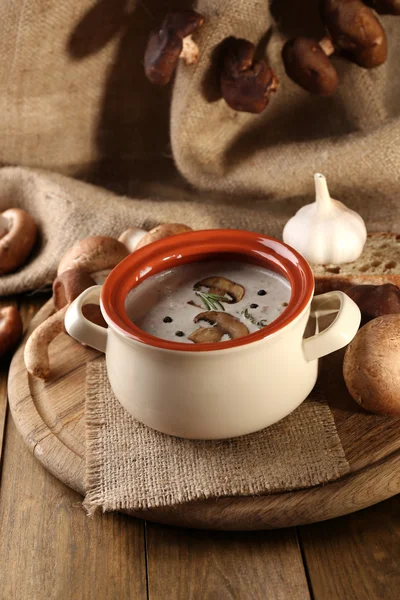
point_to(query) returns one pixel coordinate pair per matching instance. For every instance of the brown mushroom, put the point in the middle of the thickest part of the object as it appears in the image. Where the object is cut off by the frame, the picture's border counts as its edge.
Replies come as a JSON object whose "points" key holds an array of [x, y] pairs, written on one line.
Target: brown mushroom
{"points": [[375, 300], [66, 288], [226, 322], [10, 328], [162, 231], [36, 354], [206, 335], [307, 64], [246, 83], [222, 286], [18, 234], [371, 366], [93, 254], [385, 7], [170, 42], [69, 285], [131, 237], [356, 30]]}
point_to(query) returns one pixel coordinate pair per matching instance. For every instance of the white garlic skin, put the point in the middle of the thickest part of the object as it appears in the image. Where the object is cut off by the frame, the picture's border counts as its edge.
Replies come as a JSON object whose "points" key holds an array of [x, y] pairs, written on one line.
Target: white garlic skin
{"points": [[326, 231]]}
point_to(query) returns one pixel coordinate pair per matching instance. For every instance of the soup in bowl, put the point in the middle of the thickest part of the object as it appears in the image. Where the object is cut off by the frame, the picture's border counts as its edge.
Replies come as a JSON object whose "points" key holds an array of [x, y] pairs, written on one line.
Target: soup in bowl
{"points": [[206, 332]]}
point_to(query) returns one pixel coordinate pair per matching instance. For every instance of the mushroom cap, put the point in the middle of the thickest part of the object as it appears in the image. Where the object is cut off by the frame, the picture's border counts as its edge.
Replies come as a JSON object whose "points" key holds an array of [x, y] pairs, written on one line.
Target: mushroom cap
{"points": [[227, 323], [162, 231], [69, 285], [371, 366], [375, 300], [131, 237], [17, 242], [385, 7], [165, 44], [307, 65], [10, 328], [93, 254], [246, 84], [356, 30]]}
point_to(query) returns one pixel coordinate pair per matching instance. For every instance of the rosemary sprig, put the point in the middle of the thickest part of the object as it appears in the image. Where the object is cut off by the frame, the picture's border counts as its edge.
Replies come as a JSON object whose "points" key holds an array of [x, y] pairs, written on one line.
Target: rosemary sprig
{"points": [[211, 301], [260, 324]]}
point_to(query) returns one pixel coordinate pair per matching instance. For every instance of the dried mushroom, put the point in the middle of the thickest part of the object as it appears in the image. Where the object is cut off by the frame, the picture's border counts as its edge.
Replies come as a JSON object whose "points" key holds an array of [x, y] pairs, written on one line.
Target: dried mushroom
{"points": [[385, 7], [356, 31], [246, 83], [170, 42], [307, 64]]}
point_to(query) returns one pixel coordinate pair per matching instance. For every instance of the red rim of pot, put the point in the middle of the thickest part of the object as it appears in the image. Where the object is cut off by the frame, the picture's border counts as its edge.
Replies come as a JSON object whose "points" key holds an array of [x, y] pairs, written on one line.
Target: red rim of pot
{"points": [[197, 246]]}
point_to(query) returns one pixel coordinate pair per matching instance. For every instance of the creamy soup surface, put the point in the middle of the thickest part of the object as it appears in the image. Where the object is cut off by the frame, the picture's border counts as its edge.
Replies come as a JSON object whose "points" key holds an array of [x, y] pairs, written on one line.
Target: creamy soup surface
{"points": [[167, 304]]}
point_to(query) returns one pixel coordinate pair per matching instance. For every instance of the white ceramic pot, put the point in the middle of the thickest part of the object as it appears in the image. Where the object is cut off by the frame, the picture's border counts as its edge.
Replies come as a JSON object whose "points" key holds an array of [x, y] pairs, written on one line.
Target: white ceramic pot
{"points": [[219, 390]]}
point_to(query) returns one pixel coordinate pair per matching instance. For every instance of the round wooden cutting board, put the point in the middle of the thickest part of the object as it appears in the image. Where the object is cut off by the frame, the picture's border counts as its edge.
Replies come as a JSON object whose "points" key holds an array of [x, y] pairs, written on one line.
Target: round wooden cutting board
{"points": [[50, 419]]}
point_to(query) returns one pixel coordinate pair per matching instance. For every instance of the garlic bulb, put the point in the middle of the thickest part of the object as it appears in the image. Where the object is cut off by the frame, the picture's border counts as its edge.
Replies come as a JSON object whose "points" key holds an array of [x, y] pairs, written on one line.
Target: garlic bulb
{"points": [[326, 232]]}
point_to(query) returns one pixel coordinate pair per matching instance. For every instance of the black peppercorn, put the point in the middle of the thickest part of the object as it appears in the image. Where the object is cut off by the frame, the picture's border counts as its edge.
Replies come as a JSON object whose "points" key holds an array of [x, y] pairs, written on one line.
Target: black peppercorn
{"points": [[167, 320], [261, 292], [179, 333], [253, 305]]}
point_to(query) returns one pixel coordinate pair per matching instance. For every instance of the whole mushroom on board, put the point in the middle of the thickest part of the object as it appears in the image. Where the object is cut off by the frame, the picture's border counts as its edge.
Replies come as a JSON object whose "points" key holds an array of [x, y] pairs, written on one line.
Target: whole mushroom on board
{"points": [[170, 42], [18, 234], [307, 64], [10, 328], [76, 272], [246, 84], [371, 366], [375, 300]]}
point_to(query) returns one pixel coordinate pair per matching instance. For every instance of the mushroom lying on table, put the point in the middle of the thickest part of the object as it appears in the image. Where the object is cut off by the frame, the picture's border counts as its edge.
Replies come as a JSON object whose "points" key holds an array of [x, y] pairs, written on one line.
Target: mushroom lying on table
{"points": [[18, 234], [10, 328]]}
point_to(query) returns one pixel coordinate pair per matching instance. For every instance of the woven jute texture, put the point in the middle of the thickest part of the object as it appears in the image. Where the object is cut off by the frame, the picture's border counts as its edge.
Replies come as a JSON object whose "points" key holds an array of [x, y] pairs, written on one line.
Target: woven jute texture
{"points": [[353, 138], [67, 210], [129, 466], [73, 96]]}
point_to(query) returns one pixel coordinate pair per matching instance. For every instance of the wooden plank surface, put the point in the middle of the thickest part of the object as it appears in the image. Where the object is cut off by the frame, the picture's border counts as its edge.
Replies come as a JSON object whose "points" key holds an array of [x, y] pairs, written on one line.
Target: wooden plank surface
{"points": [[357, 556], [49, 417], [191, 565], [50, 549]]}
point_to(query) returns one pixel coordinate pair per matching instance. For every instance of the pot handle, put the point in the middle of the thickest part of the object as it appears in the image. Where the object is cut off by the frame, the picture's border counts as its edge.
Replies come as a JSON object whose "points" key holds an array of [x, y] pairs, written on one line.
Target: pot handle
{"points": [[340, 332], [79, 327]]}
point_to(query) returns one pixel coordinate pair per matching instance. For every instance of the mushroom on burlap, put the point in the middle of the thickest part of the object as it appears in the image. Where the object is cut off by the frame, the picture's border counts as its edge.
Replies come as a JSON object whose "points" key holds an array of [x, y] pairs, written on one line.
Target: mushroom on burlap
{"points": [[18, 234]]}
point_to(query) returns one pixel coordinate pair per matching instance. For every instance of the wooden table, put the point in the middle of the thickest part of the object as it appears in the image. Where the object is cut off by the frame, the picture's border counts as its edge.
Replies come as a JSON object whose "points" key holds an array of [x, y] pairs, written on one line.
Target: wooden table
{"points": [[49, 548]]}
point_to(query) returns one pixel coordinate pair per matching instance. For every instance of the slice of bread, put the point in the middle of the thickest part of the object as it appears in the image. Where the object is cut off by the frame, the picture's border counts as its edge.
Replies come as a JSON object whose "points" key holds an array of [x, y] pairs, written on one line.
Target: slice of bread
{"points": [[378, 264]]}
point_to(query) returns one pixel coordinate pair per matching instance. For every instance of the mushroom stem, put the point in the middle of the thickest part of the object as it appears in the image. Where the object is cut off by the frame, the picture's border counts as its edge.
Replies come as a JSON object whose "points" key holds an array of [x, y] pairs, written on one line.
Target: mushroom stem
{"points": [[36, 353], [327, 45], [190, 51]]}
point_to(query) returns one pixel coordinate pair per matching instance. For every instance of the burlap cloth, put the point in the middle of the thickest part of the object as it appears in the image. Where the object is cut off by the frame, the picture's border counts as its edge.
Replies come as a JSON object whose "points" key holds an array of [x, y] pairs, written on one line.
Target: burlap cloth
{"points": [[74, 98], [129, 466], [67, 210]]}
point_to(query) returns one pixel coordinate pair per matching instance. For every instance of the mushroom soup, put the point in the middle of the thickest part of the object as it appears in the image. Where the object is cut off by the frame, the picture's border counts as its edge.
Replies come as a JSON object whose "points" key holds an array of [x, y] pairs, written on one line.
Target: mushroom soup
{"points": [[208, 301]]}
